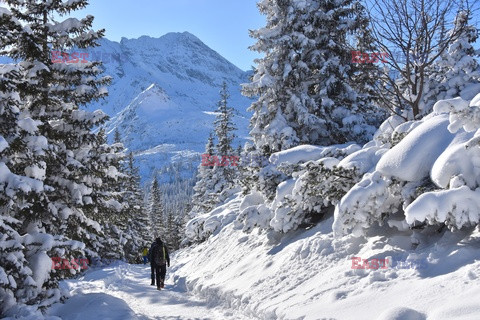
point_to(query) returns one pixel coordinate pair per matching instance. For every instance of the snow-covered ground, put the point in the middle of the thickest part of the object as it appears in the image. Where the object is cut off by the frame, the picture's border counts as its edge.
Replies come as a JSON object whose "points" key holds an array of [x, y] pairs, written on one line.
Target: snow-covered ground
{"points": [[308, 274], [123, 291]]}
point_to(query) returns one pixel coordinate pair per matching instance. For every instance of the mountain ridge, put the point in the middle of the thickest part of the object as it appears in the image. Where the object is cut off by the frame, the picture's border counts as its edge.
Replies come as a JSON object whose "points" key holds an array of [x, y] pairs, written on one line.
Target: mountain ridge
{"points": [[164, 91]]}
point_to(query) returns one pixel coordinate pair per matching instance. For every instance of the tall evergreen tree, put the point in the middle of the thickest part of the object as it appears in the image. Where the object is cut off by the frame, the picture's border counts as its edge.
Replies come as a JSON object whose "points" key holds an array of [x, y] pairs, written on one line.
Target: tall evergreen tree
{"points": [[365, 76], [117, 138], [52, 140], [156, 209], [52, 98], [340, 101], [138, 231], [283, 114], [106, 202], [217, 173], [201, 200], [307, 87], [17, 152], [224, 173]]}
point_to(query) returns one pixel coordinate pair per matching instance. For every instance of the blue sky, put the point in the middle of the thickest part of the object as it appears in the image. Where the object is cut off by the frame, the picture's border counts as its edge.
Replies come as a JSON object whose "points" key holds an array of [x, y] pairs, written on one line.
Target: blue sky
{"points": [[221, 24]]}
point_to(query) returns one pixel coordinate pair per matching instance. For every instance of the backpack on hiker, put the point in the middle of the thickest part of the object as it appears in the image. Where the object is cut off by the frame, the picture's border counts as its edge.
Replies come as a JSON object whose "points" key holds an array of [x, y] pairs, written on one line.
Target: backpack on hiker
{"points": [[159, 254]]}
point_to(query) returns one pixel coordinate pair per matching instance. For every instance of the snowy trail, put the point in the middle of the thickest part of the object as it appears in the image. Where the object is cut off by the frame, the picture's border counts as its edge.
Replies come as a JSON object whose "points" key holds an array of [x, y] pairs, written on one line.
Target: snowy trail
{"points": [[123, 291]]}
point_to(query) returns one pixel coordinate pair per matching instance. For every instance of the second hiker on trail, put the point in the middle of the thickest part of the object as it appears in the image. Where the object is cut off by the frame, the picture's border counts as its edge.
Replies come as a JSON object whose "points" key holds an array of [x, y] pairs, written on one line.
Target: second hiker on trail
{"points": [[159, 259], [145, 255]]}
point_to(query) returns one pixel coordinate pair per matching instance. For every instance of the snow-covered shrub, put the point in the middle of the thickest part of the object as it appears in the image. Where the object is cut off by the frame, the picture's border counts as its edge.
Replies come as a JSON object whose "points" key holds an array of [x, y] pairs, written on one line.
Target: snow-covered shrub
{"points": [[456, 171], [310, 182], [323, 183], [318, 186], [456, 207], [199, 228], [399, 170], [384, 133], [431, 176], [253, 212], [462, 113], [369, 201], [269, 178]]}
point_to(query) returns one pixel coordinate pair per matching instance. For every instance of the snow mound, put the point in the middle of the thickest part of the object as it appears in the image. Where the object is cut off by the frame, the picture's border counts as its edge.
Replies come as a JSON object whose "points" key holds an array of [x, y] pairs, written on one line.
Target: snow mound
{"points": [[363, 160], [401, 313], [455, 207], [413, 157], [458, 160]]}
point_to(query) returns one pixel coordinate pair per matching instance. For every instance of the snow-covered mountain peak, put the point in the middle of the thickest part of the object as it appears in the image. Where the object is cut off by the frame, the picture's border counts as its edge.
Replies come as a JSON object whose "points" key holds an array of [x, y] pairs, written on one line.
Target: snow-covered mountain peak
{"points": [[168, 38], [164, 92], [182, 55]]}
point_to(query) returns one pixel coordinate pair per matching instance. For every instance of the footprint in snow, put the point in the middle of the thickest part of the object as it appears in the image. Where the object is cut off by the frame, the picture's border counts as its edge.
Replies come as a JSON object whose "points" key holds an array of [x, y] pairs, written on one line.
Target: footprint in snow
{"points": [[339, 295]]}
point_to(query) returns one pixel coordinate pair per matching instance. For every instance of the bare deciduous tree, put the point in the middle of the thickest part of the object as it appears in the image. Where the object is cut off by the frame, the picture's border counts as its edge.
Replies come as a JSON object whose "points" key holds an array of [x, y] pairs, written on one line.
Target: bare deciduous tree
{"points": [[417, 29]]}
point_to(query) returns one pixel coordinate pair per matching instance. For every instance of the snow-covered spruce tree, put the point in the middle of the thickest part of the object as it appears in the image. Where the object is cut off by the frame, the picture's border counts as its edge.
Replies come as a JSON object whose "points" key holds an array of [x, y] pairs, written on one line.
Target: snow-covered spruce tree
{"points": [[17, 133], [107, 202], [52, 95], [343, 103], [223, 175], [156, 210], [177, 196], [137, 232], [365, 76], [248, 168], [283, 114], [17, 286], [179, 232], [214, 175], [24, 31], [117, 138], [308, 88], [174, 231], [16, 283], [201, 201]]}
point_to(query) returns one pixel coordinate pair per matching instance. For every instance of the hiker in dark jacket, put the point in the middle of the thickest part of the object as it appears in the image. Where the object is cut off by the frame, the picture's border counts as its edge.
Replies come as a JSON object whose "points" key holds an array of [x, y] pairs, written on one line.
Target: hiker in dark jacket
{"points": [[159, 259]]}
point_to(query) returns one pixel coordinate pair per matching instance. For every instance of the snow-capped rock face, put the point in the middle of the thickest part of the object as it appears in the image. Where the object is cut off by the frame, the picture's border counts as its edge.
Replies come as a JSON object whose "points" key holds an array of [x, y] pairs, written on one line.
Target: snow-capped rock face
{"points": [[163, 93]]}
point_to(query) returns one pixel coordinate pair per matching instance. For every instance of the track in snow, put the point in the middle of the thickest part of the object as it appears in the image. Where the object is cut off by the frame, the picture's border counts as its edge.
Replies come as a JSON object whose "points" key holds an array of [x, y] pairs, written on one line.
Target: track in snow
{"points": [[123, 291]]}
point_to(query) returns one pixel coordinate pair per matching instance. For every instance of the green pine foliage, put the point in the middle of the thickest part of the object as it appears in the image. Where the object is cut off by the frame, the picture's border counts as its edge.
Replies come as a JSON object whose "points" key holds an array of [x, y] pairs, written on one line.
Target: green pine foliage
{"points": [[62, 197], [156, 210]]}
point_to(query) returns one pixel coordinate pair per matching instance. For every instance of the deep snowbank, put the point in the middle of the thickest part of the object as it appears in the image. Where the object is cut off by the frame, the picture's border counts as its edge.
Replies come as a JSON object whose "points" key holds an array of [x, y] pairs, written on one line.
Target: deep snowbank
{"points": [[307, 274]]}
